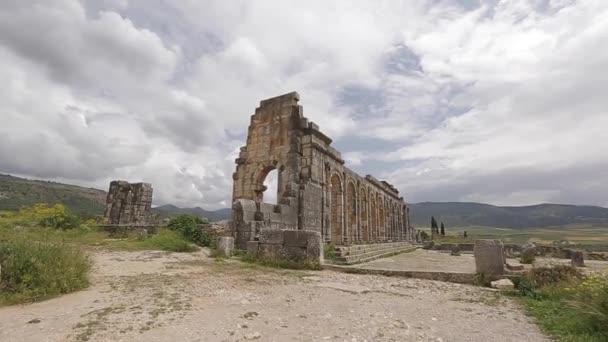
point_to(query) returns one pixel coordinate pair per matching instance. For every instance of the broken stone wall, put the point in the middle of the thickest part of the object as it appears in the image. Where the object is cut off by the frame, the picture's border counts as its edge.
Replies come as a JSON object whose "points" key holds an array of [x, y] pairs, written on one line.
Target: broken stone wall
{"points": [[315, 190], [297, 245], [129, 204]]}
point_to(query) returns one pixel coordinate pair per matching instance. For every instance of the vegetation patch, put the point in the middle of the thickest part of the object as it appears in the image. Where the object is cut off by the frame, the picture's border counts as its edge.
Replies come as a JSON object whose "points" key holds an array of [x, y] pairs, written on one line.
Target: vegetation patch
{"points": [[281, 262], [567, 305], [34, 270]]}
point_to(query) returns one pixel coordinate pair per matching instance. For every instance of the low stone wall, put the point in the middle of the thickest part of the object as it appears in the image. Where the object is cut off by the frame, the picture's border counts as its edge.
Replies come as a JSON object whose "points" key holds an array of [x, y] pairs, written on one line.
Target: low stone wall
{"points": [[125, 229], [295, 245]]}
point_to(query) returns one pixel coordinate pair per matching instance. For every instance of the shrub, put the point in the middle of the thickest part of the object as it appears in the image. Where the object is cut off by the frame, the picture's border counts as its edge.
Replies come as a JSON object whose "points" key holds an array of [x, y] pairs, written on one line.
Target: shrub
{"points": [[33, 270], [281, 262], [187, 226], [168, 240], [590, 298], [329, 251], [539, 277]]}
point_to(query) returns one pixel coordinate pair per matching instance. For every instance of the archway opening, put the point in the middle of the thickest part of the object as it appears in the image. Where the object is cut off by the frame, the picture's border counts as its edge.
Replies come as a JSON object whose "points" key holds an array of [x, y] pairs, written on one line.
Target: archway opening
{"points": [[351, 195], [364, 217], [336, 210], [374, 219], [271, 184]]}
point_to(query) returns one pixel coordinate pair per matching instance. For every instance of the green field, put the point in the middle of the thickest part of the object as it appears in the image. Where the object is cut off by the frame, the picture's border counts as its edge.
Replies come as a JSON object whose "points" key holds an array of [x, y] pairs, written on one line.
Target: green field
{"points": [[584, 236]]}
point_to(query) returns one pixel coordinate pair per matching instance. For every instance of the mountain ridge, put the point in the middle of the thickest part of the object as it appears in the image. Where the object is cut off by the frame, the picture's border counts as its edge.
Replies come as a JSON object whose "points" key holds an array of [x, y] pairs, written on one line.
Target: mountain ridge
{"points": [[16, 192]]}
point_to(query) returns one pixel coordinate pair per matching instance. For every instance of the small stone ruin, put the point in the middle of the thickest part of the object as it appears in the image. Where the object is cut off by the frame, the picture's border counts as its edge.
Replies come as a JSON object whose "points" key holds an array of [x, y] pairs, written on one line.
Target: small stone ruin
{"points": [[129, 204], [489, 257]]}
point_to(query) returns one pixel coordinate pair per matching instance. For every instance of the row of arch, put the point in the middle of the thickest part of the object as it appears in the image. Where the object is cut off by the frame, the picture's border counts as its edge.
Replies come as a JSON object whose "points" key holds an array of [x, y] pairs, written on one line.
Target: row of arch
{"points": [[360, 215]]}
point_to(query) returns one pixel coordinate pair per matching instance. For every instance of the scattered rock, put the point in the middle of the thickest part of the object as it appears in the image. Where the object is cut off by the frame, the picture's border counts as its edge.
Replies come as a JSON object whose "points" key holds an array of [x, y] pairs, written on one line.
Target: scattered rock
{"points": [[250, 315], [354, 289], [503, 284], [253, 336], [34, 321], [578, 259]]}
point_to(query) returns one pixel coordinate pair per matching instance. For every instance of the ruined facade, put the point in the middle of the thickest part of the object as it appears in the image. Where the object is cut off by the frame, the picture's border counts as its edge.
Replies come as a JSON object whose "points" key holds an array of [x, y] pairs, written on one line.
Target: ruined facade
{"points": [[315, 191], [129, 204]]}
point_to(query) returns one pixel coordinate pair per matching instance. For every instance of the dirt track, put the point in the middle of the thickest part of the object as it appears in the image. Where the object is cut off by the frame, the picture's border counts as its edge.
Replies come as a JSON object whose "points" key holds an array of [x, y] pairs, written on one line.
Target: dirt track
{"points": [[156, 296]]}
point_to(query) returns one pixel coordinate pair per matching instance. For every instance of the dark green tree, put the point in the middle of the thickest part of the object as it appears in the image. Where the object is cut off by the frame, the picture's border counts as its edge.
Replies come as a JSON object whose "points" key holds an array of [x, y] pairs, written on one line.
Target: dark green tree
{"points": [[434, 228], [442, 229], [465, 234]]}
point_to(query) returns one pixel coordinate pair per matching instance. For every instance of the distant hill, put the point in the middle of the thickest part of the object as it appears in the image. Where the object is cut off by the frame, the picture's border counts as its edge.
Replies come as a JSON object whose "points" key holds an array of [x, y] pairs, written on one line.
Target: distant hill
{"points": [[463, 214], [214, 215], [17, 192]]}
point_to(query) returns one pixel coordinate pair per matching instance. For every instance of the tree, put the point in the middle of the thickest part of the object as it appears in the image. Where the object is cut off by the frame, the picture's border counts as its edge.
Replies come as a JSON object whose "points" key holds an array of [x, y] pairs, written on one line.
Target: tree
{"points": [[434, 228], [442, 229], [465, 234]]}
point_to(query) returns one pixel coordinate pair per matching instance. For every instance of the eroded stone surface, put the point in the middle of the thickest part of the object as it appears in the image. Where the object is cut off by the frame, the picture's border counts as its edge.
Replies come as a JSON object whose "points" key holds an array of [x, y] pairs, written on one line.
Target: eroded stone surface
{"points": [[129, 204], [489, 257]]}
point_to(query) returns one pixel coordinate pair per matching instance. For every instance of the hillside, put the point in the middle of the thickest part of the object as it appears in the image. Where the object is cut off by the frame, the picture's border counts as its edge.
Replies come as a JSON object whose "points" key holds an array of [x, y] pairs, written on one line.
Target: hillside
{"points": [[17, 192], [215, 215], [462, 214]]}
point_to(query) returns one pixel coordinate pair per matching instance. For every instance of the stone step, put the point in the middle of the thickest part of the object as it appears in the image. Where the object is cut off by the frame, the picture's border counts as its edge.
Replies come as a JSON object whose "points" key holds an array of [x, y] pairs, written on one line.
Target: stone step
{"points": [[352, 258], [359, 249], [349, 255]]}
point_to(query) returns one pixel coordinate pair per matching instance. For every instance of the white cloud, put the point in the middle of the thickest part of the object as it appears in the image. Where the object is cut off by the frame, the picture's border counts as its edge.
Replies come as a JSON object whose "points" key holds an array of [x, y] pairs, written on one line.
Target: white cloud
{"points": [[501, 103]]}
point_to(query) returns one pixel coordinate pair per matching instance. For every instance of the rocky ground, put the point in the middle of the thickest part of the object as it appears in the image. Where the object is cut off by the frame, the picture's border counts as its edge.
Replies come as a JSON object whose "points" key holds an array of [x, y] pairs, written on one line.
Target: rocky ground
{"points": [[157, 296]]}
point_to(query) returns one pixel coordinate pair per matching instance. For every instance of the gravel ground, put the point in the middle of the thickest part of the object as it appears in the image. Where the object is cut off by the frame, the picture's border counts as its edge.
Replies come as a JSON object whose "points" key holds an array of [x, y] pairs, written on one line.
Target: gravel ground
{"points": [[156, 296]]}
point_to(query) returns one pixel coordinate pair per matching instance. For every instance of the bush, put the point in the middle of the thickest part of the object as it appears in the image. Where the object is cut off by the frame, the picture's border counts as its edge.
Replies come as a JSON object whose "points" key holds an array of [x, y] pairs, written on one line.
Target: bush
{"points": [[590, 298], [329, 251], [57, 216], [187, 226], [168, 240], [281, 262], [539, 277], [34, 271]]}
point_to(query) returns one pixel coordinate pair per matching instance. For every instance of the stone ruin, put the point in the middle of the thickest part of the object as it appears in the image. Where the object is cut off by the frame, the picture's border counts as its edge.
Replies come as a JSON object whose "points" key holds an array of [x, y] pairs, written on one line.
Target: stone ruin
{"points": [[129, 204], [315, 191]]}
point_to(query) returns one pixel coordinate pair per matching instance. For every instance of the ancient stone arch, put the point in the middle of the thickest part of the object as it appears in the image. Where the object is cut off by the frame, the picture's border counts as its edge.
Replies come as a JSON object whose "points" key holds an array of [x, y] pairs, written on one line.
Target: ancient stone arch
{"points": [[337, 209], [351, 211], [374, 217], [315, 190], [364, 215]]}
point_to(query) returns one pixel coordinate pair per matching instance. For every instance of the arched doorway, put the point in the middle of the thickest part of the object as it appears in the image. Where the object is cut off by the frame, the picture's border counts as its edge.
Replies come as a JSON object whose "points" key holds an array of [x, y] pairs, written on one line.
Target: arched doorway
{"points": [[374, 218], [364, 216], [351, 204], [381, 219], [336, 226]]}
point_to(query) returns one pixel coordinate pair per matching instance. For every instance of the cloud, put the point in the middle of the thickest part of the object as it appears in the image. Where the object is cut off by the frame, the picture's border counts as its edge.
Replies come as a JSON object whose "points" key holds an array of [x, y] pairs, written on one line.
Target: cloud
{"points": [[496, 101]]}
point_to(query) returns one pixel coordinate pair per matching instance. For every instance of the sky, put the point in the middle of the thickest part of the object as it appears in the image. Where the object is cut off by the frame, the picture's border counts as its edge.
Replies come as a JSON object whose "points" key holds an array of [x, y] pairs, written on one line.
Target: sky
{"points": [[501, 102]]}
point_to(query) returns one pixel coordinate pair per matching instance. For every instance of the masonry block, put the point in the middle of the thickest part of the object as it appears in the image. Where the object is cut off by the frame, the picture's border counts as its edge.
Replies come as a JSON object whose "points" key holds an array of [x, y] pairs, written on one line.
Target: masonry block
{"points": [[272, 236], [489, 257]]}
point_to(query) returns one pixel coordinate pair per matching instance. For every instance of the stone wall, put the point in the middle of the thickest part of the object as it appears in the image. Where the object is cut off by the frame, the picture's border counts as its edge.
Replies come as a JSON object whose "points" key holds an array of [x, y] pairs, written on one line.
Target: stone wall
{"points": [[296, 245], [129, 204], [315, 190]]}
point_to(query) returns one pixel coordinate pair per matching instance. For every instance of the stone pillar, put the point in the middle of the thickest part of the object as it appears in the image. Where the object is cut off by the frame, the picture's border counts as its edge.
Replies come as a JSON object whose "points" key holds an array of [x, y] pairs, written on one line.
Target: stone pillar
{"points": [[489, 257], [226, 245], [577, 259]]}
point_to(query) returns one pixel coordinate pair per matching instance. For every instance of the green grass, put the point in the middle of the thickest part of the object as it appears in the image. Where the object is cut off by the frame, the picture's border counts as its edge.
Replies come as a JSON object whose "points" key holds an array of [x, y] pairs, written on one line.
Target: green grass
{"points": [[37, 270], [280, 263], [42, 256], [553, 314], [580, 236]]}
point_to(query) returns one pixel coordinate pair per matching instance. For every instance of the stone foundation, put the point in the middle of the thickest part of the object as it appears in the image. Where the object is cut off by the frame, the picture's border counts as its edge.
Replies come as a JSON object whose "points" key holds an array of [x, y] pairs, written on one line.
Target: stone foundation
{"points": [[296, 245]]}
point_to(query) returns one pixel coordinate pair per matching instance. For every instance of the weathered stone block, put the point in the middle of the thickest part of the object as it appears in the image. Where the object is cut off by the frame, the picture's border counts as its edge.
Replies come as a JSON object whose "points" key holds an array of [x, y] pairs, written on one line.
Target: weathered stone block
{"points": [[270, 250], [225, 244], [273, 236], [577, 259], [296, 238], [489, 257], [252, 247], [294, 253]]}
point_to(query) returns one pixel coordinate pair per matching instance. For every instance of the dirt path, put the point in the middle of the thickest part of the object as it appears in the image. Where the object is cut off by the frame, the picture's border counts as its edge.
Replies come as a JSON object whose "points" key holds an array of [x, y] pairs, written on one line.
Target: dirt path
{"points": [[156, 296]]}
